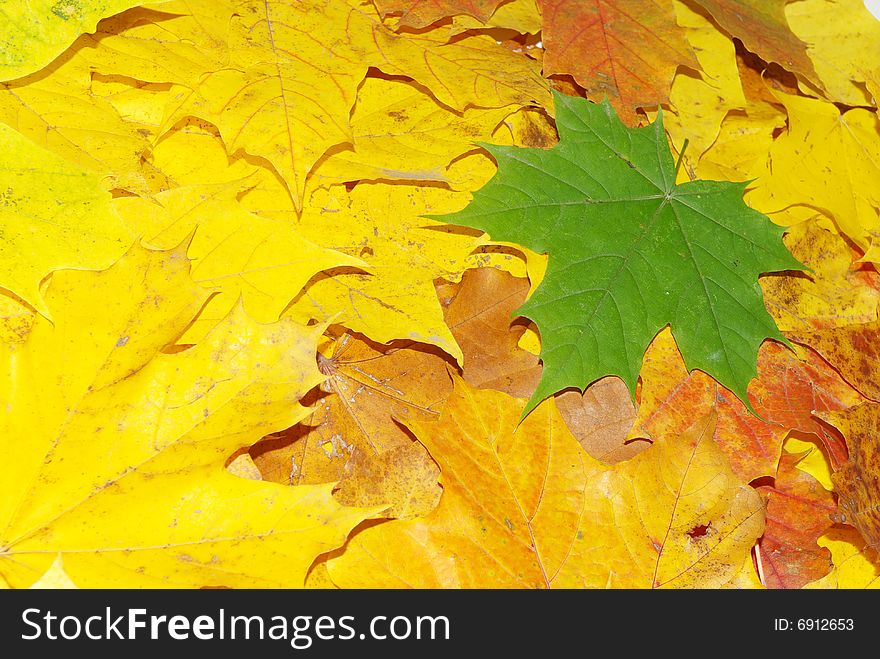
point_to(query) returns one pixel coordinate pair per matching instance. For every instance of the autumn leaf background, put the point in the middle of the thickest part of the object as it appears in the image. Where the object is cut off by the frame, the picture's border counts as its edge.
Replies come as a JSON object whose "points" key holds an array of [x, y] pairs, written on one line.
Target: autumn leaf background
{"points": [[248, 340]]}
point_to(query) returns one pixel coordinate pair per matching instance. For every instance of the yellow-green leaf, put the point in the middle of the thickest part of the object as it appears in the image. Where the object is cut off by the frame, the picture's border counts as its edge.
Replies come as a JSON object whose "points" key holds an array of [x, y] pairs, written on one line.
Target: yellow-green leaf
{"points": [[53, 215], [35, 32]]}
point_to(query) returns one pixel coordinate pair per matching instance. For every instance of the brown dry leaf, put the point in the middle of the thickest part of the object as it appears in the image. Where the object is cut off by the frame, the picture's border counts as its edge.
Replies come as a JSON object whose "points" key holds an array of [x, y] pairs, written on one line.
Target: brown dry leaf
{"points": [[599, 43], [798, 513], [479, 312], [524, 506], [601, 418], [369, 386], [788, 390], [856, 482]]}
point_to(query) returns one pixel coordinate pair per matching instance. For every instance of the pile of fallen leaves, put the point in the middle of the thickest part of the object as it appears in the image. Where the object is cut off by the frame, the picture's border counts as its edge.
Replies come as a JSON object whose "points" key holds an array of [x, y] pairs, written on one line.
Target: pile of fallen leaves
{"points": [[365, 293]]}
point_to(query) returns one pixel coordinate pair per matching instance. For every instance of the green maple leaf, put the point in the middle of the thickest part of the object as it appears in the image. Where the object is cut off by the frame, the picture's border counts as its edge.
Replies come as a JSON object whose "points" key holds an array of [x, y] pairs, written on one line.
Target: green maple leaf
{"points": [[630, 252]]}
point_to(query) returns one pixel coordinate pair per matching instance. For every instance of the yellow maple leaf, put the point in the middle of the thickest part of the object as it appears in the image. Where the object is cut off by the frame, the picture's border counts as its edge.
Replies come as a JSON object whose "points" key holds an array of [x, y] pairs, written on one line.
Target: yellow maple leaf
{"points": [[422, 13], [149, 49], [235, 253], [855, 565], [139, 104], [843, 42], [828, 160], [55, 578], [176, 41], [194, 154], [114, 451], [522, 16], [399, 254], [282, 97], [56, 109], [53, 215], [404, 479], [383, 226], [701, 100], [834, 294], [527, 507], [815, 460], [740, 151], [16, 319], [401, 133]]}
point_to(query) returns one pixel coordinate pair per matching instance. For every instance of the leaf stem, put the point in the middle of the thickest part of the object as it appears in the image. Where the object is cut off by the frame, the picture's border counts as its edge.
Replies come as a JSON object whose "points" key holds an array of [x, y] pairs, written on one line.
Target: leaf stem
{"points": [[680, 158]]}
